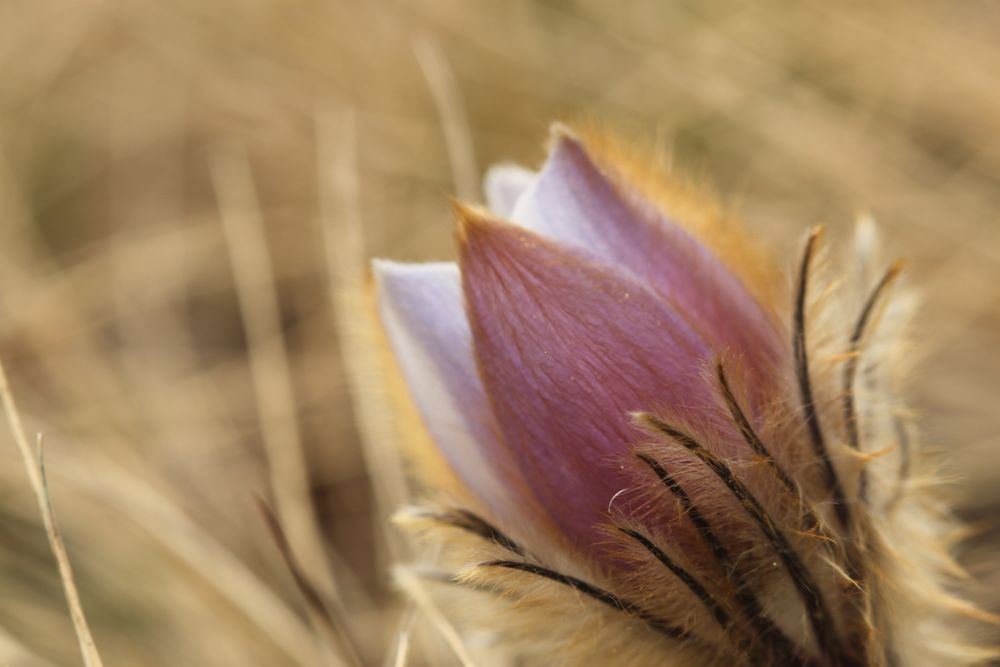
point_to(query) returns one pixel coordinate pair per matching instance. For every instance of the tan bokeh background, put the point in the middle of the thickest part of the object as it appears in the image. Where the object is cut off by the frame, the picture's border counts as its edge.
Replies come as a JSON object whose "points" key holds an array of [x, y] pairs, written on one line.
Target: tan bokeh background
{"points": [[122, 122]]}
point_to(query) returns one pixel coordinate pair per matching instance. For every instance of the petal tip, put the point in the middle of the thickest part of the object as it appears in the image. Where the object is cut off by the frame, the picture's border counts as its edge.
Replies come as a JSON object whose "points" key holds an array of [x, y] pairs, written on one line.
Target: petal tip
{"points": [[380, 271], [381, 267], [561, 131], [562, 137], [386, 271], [504, 185], [473, 223]]}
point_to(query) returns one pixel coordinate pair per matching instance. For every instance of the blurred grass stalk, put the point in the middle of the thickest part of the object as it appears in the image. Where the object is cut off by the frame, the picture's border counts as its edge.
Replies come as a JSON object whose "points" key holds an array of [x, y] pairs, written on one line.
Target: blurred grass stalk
{"points": [[34, 465], [189, 193]]}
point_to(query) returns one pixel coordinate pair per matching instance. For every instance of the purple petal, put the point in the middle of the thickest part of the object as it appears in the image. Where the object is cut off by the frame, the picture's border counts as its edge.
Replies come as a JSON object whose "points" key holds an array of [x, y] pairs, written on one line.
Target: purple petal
{"points": [[566, 349], [504, 185], [422, 312], [574, 202]]}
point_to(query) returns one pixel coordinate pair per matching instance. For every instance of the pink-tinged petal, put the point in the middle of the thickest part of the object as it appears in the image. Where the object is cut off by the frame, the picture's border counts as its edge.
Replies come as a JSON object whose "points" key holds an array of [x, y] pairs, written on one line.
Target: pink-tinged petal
{"points": [[567, 349], [574, 202], [504, 185], [422, 311]]}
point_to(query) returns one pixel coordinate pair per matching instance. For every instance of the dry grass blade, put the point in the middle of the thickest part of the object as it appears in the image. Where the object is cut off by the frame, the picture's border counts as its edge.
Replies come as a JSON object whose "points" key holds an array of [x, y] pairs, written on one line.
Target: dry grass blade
{"points": [[415, 589], [341, 221], [201, 551], [400, 654], [329, 620], [269, 367], [448, 100], [36, 475], [117, 301], [13, 652]]}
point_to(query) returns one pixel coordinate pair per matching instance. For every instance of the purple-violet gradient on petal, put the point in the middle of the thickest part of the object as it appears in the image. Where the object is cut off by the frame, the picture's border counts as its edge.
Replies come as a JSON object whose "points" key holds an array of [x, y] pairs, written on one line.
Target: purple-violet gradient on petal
{"points": [[575, 203], [566, 349]]}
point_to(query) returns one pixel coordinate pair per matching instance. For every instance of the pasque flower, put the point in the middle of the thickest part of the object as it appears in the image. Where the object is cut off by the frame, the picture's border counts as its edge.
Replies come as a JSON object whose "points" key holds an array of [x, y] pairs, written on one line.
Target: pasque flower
{"points": [[613, 373]]}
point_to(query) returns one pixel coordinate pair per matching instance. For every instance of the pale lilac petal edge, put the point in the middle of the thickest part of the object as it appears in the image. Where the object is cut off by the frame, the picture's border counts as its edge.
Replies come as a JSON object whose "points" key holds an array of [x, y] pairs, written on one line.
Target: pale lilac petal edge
{"points": [[422, 312]]}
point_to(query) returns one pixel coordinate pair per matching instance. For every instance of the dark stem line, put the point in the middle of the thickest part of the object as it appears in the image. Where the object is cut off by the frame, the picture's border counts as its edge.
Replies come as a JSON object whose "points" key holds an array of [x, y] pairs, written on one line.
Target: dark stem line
{"points": [[812, 522], [851, 368], [851, 417], [905, 461], [751, 437], [820, 618], [853, 563], [699, 591], [476, 525], [750, 606], [599, 594], [805, 385], [330, 618], [743, 645]]}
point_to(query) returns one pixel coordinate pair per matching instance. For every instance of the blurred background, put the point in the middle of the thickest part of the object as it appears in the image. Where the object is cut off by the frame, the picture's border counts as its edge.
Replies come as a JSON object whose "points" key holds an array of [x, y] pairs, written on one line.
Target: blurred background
{"points": [[181, 189]]}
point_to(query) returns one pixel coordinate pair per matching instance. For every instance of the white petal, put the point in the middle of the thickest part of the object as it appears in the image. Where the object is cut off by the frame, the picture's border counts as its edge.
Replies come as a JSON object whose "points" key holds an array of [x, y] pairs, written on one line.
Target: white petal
{"points": [[570, 201], [504, 184], [422, 310]]}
